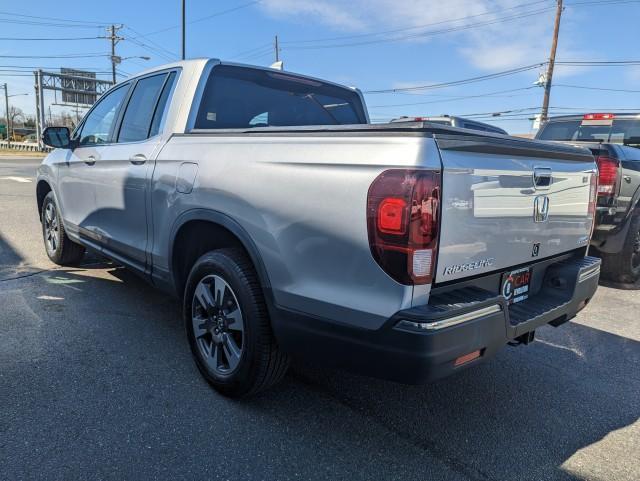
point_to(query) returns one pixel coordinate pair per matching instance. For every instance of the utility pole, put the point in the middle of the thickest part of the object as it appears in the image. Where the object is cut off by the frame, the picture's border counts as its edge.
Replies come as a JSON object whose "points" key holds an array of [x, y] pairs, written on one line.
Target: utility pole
{"points": [[112, 30], [38, 90], [184, 29], [6, 105], [552, 60], [277, 47]]}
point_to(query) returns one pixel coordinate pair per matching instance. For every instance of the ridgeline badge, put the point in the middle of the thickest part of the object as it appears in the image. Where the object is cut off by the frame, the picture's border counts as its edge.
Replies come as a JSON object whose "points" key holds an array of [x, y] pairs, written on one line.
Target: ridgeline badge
{"points": [[469, 266]]}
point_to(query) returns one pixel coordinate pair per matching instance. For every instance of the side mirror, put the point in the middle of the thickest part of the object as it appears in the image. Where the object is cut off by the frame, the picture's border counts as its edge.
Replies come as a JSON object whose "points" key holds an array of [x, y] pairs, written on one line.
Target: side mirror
{"points": [[57, 137]]}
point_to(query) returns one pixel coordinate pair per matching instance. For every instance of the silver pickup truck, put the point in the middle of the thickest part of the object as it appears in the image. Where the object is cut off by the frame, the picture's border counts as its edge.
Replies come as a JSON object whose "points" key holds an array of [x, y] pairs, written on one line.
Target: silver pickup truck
{"points": [[290, 226]]}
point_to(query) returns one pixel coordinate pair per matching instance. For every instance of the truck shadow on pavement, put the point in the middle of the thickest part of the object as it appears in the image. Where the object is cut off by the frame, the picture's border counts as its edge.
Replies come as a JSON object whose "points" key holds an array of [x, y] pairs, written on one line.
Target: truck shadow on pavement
{"points": [[121, 369]]}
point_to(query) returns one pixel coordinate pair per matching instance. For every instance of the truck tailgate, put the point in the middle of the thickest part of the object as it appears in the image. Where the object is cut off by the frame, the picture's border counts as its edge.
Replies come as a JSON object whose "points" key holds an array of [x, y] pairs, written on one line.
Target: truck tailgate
{"points": [[510, 202]]}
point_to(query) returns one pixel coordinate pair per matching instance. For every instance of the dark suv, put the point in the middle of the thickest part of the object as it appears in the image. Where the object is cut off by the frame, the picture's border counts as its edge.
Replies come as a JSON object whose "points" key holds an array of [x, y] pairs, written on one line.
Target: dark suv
{"points": [[614, 140]]}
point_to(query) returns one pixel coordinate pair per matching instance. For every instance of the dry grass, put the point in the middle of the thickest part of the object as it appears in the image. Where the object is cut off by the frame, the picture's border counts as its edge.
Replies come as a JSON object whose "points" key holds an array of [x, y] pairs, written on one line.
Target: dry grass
{"points": [[21, 153]]}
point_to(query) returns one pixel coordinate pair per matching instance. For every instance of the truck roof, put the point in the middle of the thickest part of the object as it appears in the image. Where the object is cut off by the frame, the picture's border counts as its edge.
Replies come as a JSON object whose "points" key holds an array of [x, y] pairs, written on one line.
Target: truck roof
{"points": [[617, 115], [201, 62]]}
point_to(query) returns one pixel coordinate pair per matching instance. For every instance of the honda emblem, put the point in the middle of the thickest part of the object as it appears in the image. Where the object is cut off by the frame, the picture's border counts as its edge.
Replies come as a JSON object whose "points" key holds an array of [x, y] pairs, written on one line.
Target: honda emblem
{"points": [[541, 208]]}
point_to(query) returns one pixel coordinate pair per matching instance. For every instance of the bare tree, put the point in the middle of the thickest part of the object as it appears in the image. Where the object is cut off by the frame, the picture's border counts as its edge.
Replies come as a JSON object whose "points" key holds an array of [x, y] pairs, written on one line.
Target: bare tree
{"points": [[16, 115]]}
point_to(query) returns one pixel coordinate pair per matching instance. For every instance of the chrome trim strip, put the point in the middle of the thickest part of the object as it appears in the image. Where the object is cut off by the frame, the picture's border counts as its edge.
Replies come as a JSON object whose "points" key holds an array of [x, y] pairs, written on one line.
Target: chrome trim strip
{"points": [[453, 321], [588, 274]]}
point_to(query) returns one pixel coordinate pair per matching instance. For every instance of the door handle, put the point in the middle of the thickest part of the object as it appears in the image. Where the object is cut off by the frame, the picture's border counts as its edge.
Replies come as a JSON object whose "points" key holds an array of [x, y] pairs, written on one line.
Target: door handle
{"points": [[90, 160], [138, 159]]}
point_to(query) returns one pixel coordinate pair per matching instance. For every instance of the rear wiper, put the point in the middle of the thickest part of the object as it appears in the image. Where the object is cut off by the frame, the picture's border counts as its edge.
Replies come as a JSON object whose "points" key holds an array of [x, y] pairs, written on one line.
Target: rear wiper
{"points": [[317, 102]]}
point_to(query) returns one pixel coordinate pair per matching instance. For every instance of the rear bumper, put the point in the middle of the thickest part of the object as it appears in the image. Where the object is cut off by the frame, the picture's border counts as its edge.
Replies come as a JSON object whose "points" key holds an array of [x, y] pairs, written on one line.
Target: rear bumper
{"points": [[422, 344], [611, 229]]}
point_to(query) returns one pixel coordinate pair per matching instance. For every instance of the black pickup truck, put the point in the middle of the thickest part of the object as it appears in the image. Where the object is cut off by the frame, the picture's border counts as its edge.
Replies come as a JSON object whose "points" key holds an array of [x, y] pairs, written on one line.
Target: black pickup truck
{"points": [[614, 139]]}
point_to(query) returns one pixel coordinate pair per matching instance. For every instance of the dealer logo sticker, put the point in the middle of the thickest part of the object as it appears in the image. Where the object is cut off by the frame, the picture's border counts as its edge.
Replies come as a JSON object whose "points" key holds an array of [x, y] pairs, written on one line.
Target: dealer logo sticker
{"points": [[507, 288]]}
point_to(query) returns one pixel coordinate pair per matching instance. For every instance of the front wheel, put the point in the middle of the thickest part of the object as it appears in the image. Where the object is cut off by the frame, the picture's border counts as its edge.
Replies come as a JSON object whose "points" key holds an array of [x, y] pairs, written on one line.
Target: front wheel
{"points": [[60, 249], [228, 325]]}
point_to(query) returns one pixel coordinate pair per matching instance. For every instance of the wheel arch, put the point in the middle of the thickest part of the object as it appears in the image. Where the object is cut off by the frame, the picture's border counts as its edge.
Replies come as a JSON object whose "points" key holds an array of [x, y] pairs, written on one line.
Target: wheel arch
{"points": [[42, 189], [217, 230]]}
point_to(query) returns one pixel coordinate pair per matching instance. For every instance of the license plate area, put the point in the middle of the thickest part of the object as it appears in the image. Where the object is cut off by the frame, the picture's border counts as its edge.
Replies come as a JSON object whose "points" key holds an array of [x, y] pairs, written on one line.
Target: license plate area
{"points": [[515, 285]]}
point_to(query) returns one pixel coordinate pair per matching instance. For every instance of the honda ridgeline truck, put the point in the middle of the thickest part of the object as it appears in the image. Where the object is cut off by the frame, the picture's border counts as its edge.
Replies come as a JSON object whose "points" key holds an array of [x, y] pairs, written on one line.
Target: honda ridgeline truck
{"points": [[291, 226]]}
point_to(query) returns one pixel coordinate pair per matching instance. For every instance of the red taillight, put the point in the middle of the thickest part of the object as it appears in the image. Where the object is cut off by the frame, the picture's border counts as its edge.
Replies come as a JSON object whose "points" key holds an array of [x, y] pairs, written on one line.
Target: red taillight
{"points": [[403, 209], [598, 117], [608, 171], [391, 215]]}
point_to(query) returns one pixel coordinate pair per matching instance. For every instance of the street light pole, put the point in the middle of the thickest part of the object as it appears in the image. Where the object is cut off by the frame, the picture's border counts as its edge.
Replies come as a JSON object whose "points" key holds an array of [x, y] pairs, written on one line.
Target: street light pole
{"points": [[184, 47]]}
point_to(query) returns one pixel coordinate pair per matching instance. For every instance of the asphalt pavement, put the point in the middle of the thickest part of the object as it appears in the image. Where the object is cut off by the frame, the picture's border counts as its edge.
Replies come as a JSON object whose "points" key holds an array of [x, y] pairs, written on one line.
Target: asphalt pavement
{"points": [[97, 382]]}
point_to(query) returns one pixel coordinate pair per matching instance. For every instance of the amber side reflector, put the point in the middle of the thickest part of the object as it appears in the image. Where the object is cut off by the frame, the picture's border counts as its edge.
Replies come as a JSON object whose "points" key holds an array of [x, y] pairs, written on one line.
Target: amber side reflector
{"points": [[467, 358]]}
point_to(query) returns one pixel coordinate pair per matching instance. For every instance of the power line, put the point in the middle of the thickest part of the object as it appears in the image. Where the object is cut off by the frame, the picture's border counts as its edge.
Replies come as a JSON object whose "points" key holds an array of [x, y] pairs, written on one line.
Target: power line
{"points": [[480, 78], [36, 67], [422, 34], [605, 2], [47, 24], [34, 39], [252, 50], [152, 49], [599, 63], [417, 27], [201, 19], [596, 88], [97, 24], [71, 55], [455, 98], [259, 54], [152, 43]]}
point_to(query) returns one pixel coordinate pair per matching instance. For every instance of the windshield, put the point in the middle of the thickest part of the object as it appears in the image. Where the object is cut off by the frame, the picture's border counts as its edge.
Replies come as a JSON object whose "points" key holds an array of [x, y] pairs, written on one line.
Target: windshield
{"points": [[619, 131]]}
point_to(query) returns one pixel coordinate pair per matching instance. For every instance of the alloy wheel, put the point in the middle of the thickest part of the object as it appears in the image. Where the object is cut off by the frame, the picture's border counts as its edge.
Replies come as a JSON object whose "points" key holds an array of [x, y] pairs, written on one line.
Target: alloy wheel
{"points": [[51, 228], [218, 325]]}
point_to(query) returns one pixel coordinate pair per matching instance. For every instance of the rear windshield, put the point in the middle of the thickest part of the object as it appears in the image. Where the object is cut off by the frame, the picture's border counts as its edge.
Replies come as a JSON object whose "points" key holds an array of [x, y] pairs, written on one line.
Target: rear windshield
{"points": [[620, 131], [240, 97]]}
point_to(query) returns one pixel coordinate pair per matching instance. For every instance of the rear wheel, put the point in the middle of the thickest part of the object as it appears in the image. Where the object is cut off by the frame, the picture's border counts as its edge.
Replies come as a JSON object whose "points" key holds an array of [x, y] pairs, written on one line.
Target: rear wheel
{"points": [[60, 249], [228, 325], [625, 266]]}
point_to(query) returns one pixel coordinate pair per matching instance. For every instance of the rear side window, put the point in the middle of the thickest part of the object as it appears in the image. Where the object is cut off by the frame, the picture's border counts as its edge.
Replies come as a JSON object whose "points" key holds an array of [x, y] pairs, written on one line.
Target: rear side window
{"points": [[240, 97], [136, 122]]}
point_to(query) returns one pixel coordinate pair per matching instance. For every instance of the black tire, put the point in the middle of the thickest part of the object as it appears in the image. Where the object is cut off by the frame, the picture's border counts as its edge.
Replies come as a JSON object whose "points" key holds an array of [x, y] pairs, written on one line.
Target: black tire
{"points": [[624, 267], [60, 249], [261, 364]]}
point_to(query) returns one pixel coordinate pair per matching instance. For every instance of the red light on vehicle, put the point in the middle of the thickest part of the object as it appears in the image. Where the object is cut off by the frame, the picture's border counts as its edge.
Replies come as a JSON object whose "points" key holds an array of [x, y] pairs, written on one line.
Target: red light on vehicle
{"points": [[403, 222], [608, 170], [467, 358], [598, 117], [391, 214]]}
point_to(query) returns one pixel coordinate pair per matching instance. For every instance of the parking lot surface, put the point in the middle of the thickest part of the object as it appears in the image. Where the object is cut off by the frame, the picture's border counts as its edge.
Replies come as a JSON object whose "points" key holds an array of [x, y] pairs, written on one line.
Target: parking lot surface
{"points": [[97, 382]]}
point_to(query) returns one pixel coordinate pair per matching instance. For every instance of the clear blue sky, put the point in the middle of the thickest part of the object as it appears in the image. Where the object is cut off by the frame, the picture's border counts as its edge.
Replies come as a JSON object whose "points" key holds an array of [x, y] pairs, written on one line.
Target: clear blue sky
{"points": [[372, 44]]}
